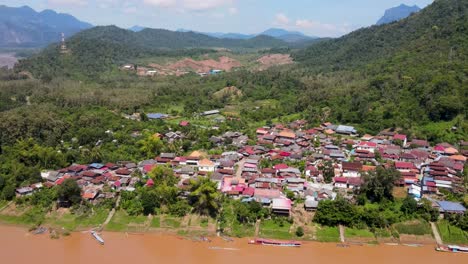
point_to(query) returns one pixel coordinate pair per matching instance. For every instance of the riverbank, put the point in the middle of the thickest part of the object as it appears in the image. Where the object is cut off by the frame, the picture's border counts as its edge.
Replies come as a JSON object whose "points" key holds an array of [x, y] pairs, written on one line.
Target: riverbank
{"points": [[192, 225], [150, 248]]}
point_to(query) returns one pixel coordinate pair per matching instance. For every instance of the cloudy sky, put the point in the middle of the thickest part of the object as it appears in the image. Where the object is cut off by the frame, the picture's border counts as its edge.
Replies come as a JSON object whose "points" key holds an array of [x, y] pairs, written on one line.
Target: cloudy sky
{"points": [[313, 17]]}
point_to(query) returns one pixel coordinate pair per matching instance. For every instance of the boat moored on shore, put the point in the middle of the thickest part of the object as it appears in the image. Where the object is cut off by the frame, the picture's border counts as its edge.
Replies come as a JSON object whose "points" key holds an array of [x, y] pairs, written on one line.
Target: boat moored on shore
{"points": [[452, 248], [279, 243], [97, 237]]}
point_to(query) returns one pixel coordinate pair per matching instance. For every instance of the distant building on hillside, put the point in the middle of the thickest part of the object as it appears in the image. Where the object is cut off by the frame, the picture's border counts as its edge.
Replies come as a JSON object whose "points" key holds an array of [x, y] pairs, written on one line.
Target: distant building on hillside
{"points": [[211, 112], [157, 116], [215, 72]]}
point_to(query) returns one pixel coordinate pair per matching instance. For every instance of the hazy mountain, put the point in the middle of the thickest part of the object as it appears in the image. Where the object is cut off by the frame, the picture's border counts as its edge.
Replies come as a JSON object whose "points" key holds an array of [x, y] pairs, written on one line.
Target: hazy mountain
{"points": [[230, 35], [278, 32], [282, 34], [136, 28], [24, 27], [397, 13]]}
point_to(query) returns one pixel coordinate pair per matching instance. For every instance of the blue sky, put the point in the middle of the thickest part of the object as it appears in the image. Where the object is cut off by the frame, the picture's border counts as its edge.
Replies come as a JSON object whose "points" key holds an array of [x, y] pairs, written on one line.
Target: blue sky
{"points": [[313, 17]]}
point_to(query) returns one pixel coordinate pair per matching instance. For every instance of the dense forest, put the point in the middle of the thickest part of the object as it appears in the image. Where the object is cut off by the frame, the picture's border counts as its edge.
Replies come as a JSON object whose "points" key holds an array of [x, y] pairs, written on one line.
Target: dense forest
{"points": [[409, 72]]}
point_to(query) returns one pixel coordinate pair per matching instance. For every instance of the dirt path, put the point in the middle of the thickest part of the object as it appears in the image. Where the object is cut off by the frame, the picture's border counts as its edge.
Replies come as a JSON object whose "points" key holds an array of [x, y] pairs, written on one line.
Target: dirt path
{"points": [[257, 227], [437, 236], [240, 167], [6, 206], [342, 233], [111, 213]]}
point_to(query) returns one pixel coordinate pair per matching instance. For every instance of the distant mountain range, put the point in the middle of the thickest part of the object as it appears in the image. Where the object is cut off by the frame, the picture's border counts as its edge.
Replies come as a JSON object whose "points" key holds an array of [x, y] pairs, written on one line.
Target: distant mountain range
{"points": [[24, 27], [281, 34], [397, 13], [102, 48]]}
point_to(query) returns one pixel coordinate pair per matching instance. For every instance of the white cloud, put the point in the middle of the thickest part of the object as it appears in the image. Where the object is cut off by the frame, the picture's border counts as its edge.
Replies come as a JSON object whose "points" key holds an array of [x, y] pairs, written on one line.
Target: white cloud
{"points": [[323, 29], [130, 10], [233, 11], [68, 2], [218, 15], [193, 5], [200, 5], [161, 3], [281, 19]]}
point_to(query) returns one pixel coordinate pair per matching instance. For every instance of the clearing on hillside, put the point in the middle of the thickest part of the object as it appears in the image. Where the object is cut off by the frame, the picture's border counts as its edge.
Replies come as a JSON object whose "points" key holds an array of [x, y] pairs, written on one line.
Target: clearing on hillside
{"points": [[271, 60]]}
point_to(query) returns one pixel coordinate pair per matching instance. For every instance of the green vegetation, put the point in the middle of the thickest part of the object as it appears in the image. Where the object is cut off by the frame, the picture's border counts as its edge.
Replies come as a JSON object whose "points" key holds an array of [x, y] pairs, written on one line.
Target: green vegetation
{"points": [[404, 73], [328, 234], [124, 222], [378, 184], [230, 223], [69, 191], [278, 227], [452, 234], [414, 228], [358, 233], [170, 222], [72, 222], [156, 222]]}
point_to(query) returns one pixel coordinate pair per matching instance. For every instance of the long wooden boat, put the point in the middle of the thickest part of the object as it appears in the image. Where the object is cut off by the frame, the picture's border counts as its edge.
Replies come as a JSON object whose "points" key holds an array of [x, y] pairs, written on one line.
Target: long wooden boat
{"points": [[97, 237], [452, 248], [278, 243]]}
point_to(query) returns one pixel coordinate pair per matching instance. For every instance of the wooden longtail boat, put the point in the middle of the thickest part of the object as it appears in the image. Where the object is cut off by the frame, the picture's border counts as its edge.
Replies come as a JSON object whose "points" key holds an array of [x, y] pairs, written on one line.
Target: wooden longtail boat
{"points": [[97, 237], [278, 243]]}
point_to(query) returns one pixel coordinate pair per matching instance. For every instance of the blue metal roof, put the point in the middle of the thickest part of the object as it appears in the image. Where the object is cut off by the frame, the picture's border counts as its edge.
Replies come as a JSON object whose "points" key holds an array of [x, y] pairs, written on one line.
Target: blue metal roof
{"points": [[96, 165], [446, 206], [156, 116]]}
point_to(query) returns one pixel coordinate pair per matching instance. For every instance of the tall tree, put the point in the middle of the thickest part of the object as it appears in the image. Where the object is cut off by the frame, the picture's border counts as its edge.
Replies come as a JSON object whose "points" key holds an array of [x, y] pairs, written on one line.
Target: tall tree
{"points": [[69, 191], [151, 146], [378, 184], [205, 197]]}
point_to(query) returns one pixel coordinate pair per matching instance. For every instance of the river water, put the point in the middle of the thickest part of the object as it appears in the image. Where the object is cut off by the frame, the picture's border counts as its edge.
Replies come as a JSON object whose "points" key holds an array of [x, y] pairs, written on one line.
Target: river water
{"points": [[19, 246]]}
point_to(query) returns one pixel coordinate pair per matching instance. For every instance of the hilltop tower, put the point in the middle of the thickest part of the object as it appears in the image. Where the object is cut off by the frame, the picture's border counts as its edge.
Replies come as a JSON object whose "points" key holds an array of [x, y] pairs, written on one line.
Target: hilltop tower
{"points": [[63, 45]]}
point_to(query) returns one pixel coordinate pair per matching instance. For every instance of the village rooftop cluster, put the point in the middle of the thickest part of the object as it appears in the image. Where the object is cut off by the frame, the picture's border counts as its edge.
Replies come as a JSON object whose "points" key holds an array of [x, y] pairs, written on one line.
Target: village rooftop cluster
{"points": [[287, 158]]}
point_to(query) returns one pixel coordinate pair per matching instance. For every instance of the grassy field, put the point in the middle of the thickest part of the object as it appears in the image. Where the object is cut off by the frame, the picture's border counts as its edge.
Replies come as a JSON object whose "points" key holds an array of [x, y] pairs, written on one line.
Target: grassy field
{"points": [[27, 216], [383, 233], [416, 227], [273, 229], [73, 222], [171, 222], [358, 233], [123, 222], [238, 230], [451, 234], [328, 234], [156, 222]]}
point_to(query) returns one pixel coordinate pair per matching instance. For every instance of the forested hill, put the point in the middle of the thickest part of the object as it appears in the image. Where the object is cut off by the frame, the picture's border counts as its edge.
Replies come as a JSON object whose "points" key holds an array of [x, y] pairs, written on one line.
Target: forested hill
{"points": [[408, 73], [432, 34], [160, 38], [103, 48]]}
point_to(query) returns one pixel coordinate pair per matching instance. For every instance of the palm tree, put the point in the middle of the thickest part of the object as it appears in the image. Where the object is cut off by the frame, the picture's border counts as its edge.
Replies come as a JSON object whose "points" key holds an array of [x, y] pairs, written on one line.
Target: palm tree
{"points": [[205, 196]]}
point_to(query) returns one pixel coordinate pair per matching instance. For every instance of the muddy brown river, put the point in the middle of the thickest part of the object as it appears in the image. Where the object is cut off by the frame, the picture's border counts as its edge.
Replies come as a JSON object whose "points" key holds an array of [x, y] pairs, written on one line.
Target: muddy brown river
{"points": [[19, 246]]}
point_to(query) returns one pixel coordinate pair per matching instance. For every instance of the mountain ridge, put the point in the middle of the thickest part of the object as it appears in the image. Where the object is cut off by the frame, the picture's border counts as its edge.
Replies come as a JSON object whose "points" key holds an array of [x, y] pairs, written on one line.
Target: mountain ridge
{"points": [[278, 33], [397, 13], [25, 27]]}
